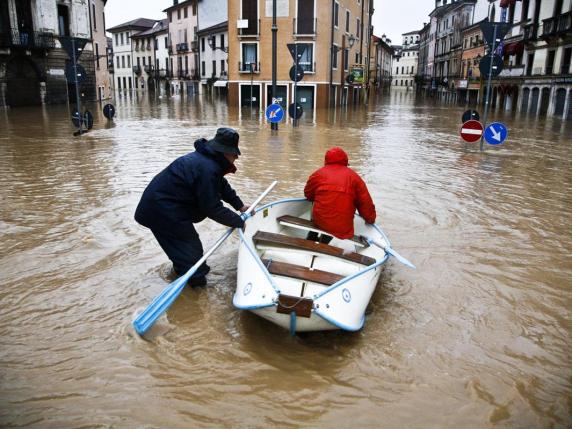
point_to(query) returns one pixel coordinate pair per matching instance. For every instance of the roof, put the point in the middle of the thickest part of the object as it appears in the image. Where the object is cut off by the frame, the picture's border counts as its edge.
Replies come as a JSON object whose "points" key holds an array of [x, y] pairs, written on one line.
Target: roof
{"points": [[410, 33], [159, 27], [176, 6], [223, 26], [441, 10], [138, 24]]}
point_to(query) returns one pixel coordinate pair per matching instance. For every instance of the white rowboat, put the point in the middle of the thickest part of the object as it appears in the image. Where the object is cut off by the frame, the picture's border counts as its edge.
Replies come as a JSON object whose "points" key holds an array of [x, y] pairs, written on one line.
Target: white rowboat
{"points": [[305, 285]]}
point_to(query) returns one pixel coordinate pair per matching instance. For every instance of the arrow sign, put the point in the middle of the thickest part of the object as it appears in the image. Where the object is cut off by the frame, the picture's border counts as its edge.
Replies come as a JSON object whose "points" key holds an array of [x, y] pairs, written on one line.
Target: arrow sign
{"points": [[496, 133], [274, 113], [471, 131], [296, 49], [488, 30]]}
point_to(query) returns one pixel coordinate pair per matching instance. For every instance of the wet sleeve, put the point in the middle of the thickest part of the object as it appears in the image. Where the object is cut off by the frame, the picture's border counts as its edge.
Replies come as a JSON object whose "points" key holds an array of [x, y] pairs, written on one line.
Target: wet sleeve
{"points": [[363, 202], [229, 195], [310, 188], [211, 205]]}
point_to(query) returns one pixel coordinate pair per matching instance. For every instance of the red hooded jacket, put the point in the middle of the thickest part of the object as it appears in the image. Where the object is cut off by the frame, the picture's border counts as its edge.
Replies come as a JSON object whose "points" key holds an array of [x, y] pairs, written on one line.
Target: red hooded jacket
{"points": [[337, 191]]}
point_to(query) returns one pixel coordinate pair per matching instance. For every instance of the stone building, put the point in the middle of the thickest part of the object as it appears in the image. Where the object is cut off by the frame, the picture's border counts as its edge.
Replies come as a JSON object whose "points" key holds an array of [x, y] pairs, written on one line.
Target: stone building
{"points": [[151, 57], [406, 63], [333, 47], [101, 63], [32, 60]]}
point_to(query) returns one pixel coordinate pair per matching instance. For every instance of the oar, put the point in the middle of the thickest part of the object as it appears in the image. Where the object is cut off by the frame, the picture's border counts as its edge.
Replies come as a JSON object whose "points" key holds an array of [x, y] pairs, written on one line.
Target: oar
{"points": [[390, 251], [162, 302]]}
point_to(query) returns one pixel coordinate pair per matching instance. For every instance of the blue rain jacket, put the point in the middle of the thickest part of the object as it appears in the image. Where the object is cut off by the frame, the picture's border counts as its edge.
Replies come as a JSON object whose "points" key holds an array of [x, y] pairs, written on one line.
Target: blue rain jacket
{"points": [[190, 189]]}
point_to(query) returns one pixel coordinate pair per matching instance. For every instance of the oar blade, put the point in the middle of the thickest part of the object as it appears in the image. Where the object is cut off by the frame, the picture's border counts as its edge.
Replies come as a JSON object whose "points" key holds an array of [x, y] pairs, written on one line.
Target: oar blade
{"points": [[400, 258]]}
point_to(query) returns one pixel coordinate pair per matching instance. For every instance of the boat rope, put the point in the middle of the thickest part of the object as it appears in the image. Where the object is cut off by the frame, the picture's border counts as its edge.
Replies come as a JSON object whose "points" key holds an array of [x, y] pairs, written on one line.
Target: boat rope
{"points": [[293, 305]]}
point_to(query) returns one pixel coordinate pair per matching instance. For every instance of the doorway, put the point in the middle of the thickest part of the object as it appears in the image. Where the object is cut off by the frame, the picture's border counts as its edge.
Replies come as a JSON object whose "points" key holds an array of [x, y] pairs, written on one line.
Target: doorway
{"points": [[281, 95], [305, 96], [23, 81], [250, 95]]}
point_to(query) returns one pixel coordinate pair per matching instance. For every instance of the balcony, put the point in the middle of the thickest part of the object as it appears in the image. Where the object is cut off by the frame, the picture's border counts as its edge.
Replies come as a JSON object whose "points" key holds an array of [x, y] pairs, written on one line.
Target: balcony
{"points": [[304, 26], [512, 71], [136, 48], [250, 31], [194, 46], [182, 47], [148, 68], [137, 70], [30, 39], [170, 50], [246, 67], [564, 23], [548, 28]]}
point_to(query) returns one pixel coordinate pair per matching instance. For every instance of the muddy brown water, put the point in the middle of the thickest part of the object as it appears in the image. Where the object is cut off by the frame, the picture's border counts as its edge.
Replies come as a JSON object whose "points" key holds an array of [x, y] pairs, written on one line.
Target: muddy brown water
{"points": [[478, 336]]}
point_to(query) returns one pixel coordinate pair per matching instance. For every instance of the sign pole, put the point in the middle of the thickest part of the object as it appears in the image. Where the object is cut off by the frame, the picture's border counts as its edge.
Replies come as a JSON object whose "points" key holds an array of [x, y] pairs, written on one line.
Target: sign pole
{"points": [[295, 123], [76, 86], [487, 99], [274, 125], [251, 83]]}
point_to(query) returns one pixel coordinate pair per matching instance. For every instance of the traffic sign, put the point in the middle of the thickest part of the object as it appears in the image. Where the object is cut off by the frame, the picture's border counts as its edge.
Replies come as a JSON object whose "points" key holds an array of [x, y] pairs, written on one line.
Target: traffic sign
{"points": [[71, 73], [88, 119], [470, 114], [496, 133], [485, 65], [274, 113], [77, 120], [471, 131], [297, 113], [488, 30], [69, 43], [296, 50], [109, 111], [296, 73]]}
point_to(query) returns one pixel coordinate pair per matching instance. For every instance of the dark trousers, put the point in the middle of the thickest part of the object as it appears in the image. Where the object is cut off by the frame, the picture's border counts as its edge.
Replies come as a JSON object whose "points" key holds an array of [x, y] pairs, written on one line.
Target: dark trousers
{"points": [[183, 253]]}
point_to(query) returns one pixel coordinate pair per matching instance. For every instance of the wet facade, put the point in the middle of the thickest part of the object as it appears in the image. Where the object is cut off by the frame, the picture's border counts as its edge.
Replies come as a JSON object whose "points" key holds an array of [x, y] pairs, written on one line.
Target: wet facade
{"points": [[32, 61]]}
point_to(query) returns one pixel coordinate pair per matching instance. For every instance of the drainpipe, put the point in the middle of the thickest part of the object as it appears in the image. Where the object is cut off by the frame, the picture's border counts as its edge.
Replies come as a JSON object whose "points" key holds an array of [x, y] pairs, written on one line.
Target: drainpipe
{"points": [[332, 53]]}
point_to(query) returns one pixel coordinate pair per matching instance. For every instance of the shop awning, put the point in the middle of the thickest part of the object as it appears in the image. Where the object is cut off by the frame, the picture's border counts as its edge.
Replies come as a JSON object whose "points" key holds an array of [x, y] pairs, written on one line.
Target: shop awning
{"points": [[513, 48], [221, 83]]}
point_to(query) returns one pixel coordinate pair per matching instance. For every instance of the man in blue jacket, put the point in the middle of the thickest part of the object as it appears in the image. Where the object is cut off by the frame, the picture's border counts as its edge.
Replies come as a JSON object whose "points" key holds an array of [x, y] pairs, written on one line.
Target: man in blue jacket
{"points": [[189, 190]]}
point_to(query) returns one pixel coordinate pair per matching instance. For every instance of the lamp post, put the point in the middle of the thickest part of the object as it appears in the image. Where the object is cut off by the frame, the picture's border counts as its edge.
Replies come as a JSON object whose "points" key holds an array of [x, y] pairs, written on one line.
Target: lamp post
{"points": [[252, 65]]}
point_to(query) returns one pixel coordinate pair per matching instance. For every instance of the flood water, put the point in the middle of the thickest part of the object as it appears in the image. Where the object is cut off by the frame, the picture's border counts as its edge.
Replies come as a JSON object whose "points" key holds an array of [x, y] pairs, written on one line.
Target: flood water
{"points": [[479, 336]]}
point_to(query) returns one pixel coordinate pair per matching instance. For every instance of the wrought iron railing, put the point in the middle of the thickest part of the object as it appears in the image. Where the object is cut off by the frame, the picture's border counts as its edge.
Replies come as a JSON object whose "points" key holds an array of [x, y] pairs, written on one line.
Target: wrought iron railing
{"points": [[248, 67], [27, 39], [182, 47]]}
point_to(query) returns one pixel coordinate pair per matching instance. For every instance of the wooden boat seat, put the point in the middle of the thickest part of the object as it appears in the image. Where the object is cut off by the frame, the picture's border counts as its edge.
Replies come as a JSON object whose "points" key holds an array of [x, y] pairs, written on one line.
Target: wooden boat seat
{"points": [[281, 240], [302, 273], [308, 225]]}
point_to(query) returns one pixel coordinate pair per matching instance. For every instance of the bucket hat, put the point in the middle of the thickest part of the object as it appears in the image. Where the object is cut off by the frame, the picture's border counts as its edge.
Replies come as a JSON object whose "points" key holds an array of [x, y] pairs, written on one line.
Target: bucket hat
{"points": [[225, 141]]}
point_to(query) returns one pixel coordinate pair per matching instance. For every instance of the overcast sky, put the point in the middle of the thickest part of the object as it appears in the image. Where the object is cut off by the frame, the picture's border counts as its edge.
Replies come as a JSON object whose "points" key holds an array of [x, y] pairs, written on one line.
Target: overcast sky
{"points": [[391, 17]]}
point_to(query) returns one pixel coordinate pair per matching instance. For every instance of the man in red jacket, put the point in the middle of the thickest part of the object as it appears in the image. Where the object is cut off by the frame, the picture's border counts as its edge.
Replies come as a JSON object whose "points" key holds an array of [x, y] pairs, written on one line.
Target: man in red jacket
{"points": [[337, 191]]}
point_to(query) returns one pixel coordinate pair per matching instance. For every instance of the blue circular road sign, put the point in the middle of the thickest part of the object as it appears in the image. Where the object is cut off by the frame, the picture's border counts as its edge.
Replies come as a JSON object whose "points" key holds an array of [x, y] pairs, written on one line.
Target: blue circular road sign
{"points": [[274, 113], [496, 133]]}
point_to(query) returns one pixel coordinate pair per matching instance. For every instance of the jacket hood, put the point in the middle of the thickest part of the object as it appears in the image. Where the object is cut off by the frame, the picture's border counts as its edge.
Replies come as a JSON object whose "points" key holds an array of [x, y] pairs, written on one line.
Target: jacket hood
{"points": [[202, 147], [336, 155]]}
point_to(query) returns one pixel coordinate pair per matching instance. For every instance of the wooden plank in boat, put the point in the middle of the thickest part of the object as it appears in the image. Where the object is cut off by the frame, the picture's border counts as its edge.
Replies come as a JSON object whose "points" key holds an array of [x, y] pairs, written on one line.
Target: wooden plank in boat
{"points": [[288, 303], [302, 273], [306, 224], [272, 239]]}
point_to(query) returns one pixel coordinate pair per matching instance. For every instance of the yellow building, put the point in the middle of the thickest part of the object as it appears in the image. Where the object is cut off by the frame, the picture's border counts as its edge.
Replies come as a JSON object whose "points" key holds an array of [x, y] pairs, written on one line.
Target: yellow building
{"points": [[329, 31]]}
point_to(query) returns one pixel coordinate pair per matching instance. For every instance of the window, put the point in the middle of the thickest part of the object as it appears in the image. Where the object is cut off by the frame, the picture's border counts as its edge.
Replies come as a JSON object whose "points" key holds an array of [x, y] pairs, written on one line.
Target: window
{"points": [[202, 44], [565, 65], [347, 21], [307, 59], [123, 61], [194, 9], [170, 17], [402, 68], [222, 66], [185, 36], [336, 14], [222, 41], [250, 13], [167, 64], [550, 62], [144, 63], [357, 27], [397, 70], [249, 55], [138, 62], [94, 17], [116, 39], [63, 20], [335, 57], [127, 38], [178, 13], [97, 54], [166, 42], [185, 12], [214, 68], [129, 61], [121, 37], [346, 59], [186, 64], [357, 58], [203, 67]]}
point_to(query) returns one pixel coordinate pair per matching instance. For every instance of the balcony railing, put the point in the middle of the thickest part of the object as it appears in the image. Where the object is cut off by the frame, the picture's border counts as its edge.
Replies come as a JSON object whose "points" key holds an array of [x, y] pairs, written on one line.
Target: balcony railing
{"points": [[27, 39], [148, 68], [137, 69], [307, 66], [549, 27], [529, 32], [246, 67], [304, 26], [253, 29], [182, 47], [512, 71], [564, 23]]}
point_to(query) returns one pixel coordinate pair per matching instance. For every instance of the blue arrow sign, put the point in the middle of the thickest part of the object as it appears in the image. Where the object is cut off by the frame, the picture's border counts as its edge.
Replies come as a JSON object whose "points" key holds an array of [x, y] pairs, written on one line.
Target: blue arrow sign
{"points": [[274, 113], [496, 133]]}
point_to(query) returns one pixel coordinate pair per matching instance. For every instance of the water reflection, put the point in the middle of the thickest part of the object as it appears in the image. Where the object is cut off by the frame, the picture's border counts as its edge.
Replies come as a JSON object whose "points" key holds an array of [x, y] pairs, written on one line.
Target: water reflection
{"points": [[482, 325]]}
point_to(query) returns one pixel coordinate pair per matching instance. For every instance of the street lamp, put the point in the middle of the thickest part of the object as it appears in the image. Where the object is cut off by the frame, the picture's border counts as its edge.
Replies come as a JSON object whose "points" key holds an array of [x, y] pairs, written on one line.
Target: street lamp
{"points": [[351, 40], [212, 43]]}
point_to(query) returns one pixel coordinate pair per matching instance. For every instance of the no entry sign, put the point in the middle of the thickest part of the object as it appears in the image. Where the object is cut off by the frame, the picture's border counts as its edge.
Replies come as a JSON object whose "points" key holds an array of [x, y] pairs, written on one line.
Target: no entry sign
{"points": [[471, 131]]}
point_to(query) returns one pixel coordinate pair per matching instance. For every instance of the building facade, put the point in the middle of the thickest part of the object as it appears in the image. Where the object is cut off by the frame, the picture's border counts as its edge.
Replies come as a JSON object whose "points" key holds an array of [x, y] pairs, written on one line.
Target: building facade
{"points": [[32, 60], [102, 74], [213, 44], [124, 75], [406, 64], [151, 57], [184, 47], [330, 35], [380, 74]]}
